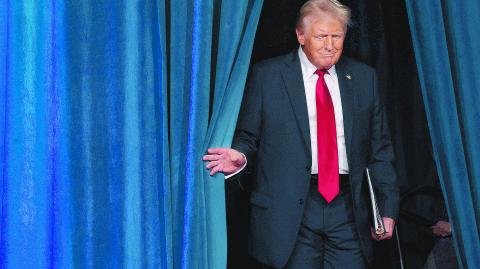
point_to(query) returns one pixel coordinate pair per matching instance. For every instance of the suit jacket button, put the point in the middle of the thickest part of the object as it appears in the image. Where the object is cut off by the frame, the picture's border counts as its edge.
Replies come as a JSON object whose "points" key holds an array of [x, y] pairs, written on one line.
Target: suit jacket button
{"points": [[300, 201], [307, 168]]}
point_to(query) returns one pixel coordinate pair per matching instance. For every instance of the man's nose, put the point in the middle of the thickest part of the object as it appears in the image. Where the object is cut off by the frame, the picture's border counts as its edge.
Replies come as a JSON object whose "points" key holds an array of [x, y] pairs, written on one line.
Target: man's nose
{"points": [[329, 43]]}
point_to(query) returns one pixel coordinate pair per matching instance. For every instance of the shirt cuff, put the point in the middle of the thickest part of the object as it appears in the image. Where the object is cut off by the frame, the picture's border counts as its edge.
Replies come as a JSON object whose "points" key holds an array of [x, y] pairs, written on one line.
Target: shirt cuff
{"points": [[239, 170]]}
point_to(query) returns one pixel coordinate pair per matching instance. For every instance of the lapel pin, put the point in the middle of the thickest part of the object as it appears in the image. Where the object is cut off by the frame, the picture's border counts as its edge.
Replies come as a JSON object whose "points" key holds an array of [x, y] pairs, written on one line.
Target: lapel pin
{"points": [[348, 76]]}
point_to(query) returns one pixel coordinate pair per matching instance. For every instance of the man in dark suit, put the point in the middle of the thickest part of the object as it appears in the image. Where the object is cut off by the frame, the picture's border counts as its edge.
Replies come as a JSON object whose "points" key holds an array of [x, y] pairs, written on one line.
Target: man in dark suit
{"points": [[311, 122]]}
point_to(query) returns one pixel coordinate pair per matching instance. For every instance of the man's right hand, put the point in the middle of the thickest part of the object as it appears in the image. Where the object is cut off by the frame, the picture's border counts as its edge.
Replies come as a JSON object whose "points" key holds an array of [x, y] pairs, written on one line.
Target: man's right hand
{"points": [[225, 160]]}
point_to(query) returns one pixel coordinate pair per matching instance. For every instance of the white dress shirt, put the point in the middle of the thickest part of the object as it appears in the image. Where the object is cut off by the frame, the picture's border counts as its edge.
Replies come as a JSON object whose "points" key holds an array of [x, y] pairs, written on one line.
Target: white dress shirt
{"points": [[310, 83]]}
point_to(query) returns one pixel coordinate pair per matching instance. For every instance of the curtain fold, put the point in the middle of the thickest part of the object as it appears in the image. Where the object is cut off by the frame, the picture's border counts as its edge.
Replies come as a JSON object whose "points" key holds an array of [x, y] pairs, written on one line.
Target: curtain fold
{"points": [[445, 38], [199, 215], [35, 223], [237, 26], [104, 117], [190, 54], [163, 164]]}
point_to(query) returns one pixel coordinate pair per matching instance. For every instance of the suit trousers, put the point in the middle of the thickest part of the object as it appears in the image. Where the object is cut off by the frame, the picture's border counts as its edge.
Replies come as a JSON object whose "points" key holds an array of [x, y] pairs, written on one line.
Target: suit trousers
{"points": [[328, 237]]}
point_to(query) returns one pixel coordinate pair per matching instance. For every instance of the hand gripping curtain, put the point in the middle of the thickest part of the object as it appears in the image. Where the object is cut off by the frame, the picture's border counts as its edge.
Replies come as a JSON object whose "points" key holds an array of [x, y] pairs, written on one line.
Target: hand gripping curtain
{"points": [[446, 41], [198, 64]]}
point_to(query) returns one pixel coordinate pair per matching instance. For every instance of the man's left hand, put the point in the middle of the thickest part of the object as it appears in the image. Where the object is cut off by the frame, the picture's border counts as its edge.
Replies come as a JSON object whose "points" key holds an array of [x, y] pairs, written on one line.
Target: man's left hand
{"points": [[389, 224]]}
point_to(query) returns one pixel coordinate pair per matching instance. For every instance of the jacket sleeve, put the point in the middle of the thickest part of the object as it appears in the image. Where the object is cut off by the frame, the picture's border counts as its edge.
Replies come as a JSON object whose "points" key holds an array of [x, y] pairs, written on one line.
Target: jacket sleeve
{"points": [[248, 131], [381, 158]]}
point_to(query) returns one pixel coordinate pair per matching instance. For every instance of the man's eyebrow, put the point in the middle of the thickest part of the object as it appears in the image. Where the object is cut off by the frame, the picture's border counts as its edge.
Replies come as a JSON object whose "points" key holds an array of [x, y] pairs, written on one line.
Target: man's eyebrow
{"points": [[321, 32]]}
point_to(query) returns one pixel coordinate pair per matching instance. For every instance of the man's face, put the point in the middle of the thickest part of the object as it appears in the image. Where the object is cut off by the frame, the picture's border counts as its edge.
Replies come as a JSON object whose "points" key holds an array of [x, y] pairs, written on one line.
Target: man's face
{"points": [[322, 40]]}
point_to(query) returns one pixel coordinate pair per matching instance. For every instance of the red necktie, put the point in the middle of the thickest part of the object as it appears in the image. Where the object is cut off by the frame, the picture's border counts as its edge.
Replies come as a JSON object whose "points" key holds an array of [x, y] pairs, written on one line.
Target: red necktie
{"points": [[328, 181]]}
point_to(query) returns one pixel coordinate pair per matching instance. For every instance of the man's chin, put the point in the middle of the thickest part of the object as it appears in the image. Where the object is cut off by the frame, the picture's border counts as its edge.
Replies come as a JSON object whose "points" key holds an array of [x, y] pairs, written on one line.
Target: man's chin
{"points": [[326, 65]]}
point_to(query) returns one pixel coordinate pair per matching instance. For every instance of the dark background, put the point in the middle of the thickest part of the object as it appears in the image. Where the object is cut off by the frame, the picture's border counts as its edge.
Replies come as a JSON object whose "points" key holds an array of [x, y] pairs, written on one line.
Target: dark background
{"points": [[379, 36]]}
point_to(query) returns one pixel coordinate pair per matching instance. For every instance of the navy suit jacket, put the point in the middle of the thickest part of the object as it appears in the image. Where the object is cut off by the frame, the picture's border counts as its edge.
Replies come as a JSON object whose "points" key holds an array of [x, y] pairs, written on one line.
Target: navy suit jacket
{"points": [[273, 132]]}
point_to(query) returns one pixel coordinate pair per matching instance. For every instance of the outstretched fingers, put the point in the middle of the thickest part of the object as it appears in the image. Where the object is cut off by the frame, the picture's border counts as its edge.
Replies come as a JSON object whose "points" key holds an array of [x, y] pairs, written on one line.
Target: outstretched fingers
{"points": [[224, 160], [217, 168], [212, 164], [212, 157], [216, 150]]}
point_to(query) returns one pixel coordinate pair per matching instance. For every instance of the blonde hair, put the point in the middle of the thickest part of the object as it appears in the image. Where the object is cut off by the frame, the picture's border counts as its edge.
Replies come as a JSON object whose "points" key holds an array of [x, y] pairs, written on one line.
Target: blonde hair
{"points": [[323, 8]]}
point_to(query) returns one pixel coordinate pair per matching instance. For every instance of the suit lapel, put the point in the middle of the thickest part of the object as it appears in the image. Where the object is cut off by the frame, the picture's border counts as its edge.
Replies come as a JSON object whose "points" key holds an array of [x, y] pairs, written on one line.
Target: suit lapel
{"points": [[292, 77], [345, 81]]}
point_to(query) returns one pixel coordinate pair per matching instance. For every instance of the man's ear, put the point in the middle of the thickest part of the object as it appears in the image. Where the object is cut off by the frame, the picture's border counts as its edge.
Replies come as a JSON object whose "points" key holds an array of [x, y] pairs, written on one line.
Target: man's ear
{"points": [[300, 36]]}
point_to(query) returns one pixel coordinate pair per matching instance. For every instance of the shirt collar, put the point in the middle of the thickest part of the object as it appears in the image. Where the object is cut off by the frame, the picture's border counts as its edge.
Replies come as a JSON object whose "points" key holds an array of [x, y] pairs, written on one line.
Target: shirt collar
{"points": [[308, 69]]}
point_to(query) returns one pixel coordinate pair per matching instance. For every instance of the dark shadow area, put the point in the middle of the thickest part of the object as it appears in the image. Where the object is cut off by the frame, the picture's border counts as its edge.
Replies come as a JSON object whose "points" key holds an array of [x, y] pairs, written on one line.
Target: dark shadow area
{"points": [[379, 36]]}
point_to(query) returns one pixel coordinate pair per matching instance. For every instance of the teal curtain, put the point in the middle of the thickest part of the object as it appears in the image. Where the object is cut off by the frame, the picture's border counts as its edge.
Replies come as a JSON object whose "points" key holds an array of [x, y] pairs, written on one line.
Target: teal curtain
{"points": [[446, 41], [106, 108], [199, 63]]}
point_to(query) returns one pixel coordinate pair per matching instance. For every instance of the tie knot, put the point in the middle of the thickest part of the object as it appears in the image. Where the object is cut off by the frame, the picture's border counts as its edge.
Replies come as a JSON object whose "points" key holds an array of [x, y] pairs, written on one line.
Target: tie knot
{"points": [[321, 72]]}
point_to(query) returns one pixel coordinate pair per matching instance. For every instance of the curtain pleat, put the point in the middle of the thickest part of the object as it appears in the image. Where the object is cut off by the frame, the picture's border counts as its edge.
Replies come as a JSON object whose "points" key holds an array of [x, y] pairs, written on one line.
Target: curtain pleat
{"points": [[165, 220], [190, 52], [35, 224], [235, 46], [199, 214], [445, 35]]}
